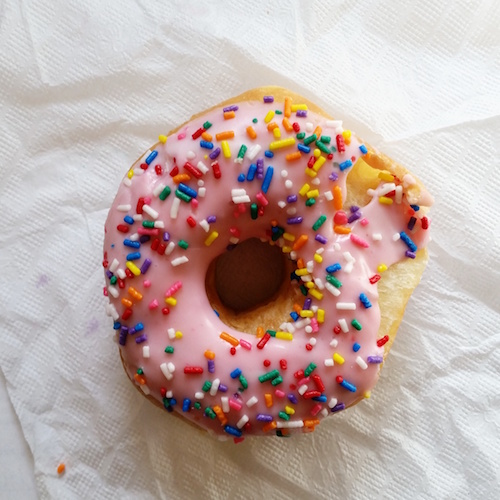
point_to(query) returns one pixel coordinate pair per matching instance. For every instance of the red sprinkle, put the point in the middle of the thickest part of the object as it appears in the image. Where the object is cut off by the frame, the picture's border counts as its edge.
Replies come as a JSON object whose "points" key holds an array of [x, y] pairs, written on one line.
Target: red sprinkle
{"points": [[128, 273], [190, 220], [311, 162], [283, 364], [374, 278], [198, 133], [105, 263], [336, 329], [123, 228], [144, 166], [158, 170], [312, 394], [195, 172], [155, 244], [193, 370], [318, 382], [330, 156], [267, 363], [174, 171], [163, 392], [216, 169], [127, 313], [340, 143], [339, 379], [309, 347], [165, 311], [161, 248], [140, 204], [232, 351], [263, 341], [299, 374], [121, 283], [425, 222], [383, 340], [296, 127]]}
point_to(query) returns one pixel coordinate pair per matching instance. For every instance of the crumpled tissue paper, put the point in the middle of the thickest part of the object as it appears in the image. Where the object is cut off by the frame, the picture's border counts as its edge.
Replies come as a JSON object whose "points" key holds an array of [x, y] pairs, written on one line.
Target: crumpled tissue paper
{"points": [[85, 89]]}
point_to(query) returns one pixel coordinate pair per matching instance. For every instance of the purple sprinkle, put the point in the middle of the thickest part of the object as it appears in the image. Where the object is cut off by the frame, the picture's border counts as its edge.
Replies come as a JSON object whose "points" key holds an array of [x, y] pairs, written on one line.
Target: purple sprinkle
{"points": [[307, 303], [211, 219], [222, 388], [333, 176], [375, 359], [354, 209], [140, 339], [261, 417], [411, 223], [132, 331], [260, 168], [293, 398], [145, 266], [338, 407], [144, 238], [268, 98], [291, 198], [321, 239], [353, 217], [410, 254], [166, 236], [301, 113], [211, 365], [230, 108], [122, 340], [109, 274], [294, 220], [214, 154]]}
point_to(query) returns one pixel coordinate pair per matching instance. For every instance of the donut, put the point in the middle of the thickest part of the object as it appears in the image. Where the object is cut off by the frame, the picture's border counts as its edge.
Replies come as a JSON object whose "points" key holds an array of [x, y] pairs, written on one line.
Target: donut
{"points": [[258, 261]]}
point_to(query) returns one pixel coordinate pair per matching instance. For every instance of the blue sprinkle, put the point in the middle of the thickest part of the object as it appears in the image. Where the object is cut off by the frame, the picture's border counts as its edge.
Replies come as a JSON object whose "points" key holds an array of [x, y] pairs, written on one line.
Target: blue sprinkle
{"points": [[345, 165], [241, 178], [408, 241], [187, 190], [347, 385], [294, 315], [151, 156], [186, 405], [334, 268], [303, 148], [173, 401], [132, 244], [365, 301], [128, 219], [268, 154], [234, 431], [117, 325], [267, 179], [216, 313], [235, 373], [214, 154], [134, 256], [207, 145], [363, 149], [252, 169], [356, 347], [139, 327], [415, 207], [321, 399]]}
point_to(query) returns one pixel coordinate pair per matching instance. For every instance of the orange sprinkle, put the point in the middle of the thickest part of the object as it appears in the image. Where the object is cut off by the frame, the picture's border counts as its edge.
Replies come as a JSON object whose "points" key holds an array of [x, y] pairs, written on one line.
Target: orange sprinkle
{"points": [[228, 115], [220, 414], [274, 223], [223, 136], [260, 332], [251, 132], [209, 354], [341, 229], [127, 302], [318, 131], [141, 380], [206, 137], [229, 338], [293, 156], [297, 308], [132, 291], [270, 426], [181, 178], [268, 398], [287, 125], [311, 422], [271, 126], [337, 198], [301, 241], [61, 468], [288, 107], [300, 263]]}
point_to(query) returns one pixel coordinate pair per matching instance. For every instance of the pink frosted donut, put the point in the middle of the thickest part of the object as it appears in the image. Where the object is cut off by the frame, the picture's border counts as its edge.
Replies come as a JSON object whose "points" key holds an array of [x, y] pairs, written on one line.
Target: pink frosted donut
{"points": [[267, 167]]}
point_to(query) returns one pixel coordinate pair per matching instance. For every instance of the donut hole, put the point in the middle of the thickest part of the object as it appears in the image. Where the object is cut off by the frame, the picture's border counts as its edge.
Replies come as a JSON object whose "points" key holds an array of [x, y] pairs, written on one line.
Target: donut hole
{"points": [[249, 285]]}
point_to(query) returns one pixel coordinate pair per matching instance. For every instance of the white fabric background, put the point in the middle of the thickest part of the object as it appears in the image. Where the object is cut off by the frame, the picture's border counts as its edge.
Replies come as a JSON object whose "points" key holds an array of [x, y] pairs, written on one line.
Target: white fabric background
{"points": [[86, 87]]}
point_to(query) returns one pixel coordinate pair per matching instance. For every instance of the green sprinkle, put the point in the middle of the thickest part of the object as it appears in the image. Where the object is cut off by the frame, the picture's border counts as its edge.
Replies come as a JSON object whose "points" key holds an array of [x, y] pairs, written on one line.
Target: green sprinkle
{"points": [[319, 222], [166, 403], [140, 371], [242, 151], [210, 413], [243, 382], [197, 405], [277, 234], [164, 194], [309, 369], [207, 125], [169, 349], [183, 244], [333, 280], [279, 112], [300, 135], [271, 332], [284, 415], [325, 139], [255, 120], [322, 147], [182, 196], [148, 223], [113, 280], [254, 211], [303, 289], [310, 202], [206, 386], [356, 324], [276, 381], [310, 139], [268, 376]]}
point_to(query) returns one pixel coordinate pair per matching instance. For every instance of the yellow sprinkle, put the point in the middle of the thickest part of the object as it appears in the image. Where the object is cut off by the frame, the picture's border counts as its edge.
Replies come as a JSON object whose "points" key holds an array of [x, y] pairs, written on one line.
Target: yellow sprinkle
{"points": [[309, 284], [284, 336], [225, 149], [299, 107], [162, 138], [302, 272], [178, 335], [276, 132], [171, 301], [381, 268], [385, 200], [288, 236], [304, 189], [310, 172], [284, 143], [347, 136], [268, 398], [317, 153], [306, 313], [314, 193], [337, 358], [315, 293], [319, 163], [320, 315], [286, 249], [269, 116], [367, 394], [133, 268], [289, 410], [385, 176], [130, 174], [211, 238], [318, 258]]}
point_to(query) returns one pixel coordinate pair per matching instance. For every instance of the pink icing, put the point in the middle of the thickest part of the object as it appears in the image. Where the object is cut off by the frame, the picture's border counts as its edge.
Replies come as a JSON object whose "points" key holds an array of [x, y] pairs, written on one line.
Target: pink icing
{"points": [[320, 343]]}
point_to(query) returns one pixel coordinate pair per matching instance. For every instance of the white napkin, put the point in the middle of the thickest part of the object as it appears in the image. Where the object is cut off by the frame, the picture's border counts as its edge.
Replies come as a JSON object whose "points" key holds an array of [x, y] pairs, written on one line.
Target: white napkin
{"points": [[85, 89]]}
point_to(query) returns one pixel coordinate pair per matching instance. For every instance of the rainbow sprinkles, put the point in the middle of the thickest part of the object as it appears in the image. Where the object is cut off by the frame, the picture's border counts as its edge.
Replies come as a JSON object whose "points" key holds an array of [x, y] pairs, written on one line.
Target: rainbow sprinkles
{"points": [[272, 169]]}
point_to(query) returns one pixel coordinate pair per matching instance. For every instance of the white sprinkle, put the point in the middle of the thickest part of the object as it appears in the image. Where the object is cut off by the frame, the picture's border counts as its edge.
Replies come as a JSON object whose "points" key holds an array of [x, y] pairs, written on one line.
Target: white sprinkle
{"points": [[241, 199], [134, 237], [238, 192], [329, 362], [291, 327], [169, 394], [138, 172], [396, 237], [201, 182], [121, 274], [333, 290], [145, 389], [346, 306], [332, 403], [308, 329], [174, 208], [361, 363], [291, 211], [234, 240], [199, 395], [314, 309], [179, 260], [171, 367], [205, 225], [302, 323], [159, 224], [293, 255], [171, 333], [408, 180], [215, 387], [225, 404], [164, 369], [328, 195], [376, 237], [253, 151], [310, 266], [137, 217], [170, 248], [324, 412], [238, 160], [111, 311], [306, 278], [336, 246], [201, 192], [253, 400], [201, 166], [114, 265], [284, 173], [334, 343], [309, 127], [348, 268], [399, 194], [302, 389], [145, 351], [290, 424], [348, 257], [319, 283], [386, 188], [370, 192], [158, 189], [288, 184], [343, 325], [312, 341], [282, 204], [333, 123], [124, 208], [113, 291], [191, 155], [316, 181], [242, 421]]}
